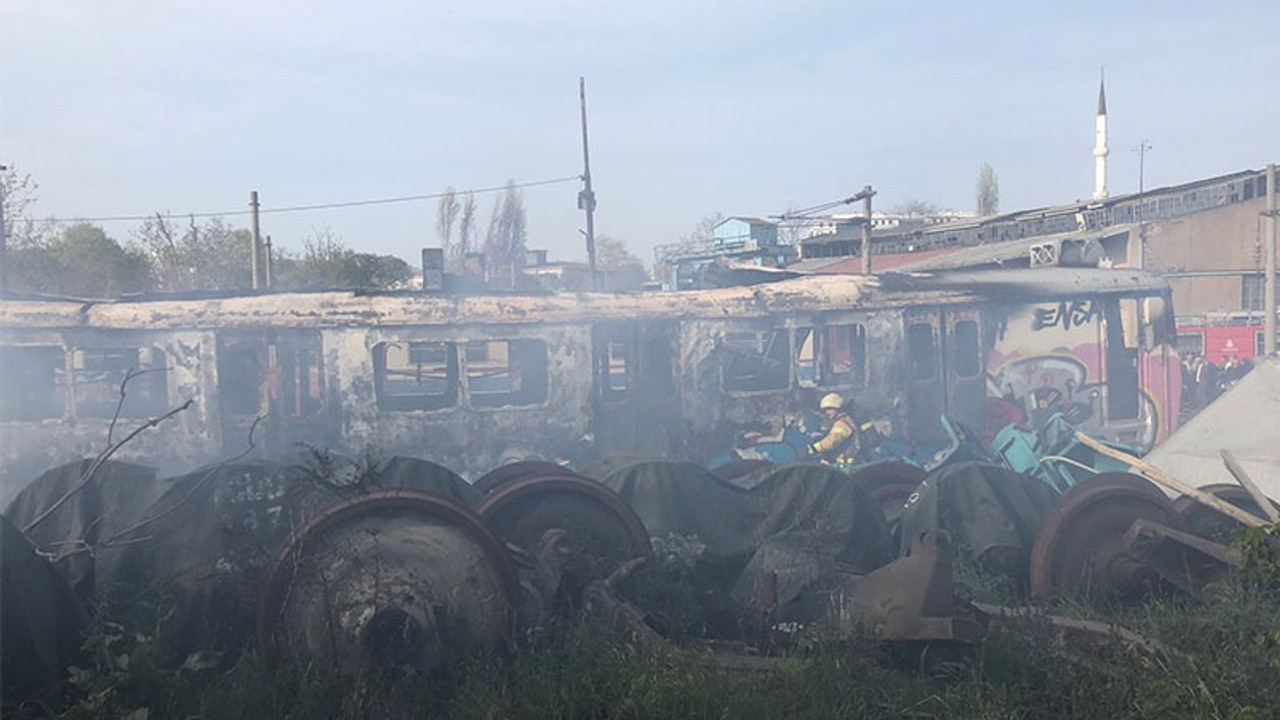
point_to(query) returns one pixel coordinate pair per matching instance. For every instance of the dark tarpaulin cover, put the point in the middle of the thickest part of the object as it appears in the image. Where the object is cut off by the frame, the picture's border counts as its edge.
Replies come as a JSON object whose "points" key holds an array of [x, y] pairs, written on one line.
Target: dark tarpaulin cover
{"points": [[40, 619], [808, 524], [116, 498], [991, 513]]}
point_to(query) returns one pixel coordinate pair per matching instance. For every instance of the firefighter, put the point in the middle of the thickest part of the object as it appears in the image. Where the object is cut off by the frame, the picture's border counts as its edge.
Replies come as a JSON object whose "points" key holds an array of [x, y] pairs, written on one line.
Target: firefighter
{"points": [[842, 442]]}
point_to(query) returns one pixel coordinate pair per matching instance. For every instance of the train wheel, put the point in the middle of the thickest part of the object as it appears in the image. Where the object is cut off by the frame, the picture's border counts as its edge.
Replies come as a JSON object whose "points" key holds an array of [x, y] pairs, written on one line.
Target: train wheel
{"points": [[505, 474], [1209, 523], [392, 578], [592, 530], [1080, 550], [890, 484], [740, 468]]}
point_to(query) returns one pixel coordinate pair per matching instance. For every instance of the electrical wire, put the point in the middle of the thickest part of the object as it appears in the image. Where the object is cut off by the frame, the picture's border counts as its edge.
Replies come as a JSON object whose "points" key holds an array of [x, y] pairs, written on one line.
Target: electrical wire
{"points": [[307, 208]]}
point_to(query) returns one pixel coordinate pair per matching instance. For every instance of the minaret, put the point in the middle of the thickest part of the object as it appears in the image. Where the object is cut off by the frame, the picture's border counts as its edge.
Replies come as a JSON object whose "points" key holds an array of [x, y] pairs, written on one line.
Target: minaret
{"points": [[1100, 150]]}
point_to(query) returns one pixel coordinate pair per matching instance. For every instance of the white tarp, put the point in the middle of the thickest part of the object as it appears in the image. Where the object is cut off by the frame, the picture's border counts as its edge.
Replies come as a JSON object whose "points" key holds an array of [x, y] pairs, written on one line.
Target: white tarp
{"points": [[1245, 420]]}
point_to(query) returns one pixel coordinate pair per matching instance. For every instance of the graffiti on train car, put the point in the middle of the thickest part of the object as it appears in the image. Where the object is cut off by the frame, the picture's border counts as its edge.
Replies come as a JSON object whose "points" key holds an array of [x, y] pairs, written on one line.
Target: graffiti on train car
{"points": [[1107, 368]]}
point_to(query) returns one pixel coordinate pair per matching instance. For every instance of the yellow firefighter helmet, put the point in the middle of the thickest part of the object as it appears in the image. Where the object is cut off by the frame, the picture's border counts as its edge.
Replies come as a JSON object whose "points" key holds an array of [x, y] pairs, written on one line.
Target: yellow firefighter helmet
{"points": [[831, 401]]}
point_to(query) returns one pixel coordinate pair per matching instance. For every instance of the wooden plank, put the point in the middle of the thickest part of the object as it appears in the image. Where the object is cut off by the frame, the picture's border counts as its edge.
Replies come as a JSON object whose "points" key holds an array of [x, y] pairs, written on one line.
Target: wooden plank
{"points": [[1243, 478], [1153, 473]]}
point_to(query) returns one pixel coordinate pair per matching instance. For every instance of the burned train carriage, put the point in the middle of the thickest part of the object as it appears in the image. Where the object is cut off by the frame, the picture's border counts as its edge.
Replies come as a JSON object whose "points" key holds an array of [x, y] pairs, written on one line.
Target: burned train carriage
{"points": [[475, 381]]}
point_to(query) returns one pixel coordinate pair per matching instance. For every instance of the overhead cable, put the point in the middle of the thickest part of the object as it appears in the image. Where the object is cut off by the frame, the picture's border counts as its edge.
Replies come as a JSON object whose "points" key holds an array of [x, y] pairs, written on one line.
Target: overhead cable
{"points": [[307, 208]]}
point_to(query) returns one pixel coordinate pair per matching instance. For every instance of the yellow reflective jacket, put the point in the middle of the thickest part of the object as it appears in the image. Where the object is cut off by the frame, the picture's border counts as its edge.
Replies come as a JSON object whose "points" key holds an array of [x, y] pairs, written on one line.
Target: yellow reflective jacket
{"points": [[841, 441]]}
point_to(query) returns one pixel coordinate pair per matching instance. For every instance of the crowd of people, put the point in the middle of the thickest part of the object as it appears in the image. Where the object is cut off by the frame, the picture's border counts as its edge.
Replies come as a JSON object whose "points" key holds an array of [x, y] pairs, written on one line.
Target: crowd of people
{"points": [[1203, 381]]}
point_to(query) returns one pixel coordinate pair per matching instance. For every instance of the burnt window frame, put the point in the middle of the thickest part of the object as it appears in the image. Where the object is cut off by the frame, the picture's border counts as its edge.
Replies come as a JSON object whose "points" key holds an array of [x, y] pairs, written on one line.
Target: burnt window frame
{"points": [[15, 389], [105, 368], [424, 402], [763, 352], [824, 374], [534, 374]]}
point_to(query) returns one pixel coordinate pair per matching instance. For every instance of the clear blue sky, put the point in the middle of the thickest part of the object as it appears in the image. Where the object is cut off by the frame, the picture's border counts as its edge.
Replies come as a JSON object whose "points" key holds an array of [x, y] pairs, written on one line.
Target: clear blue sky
{"points": [[137, 106]]}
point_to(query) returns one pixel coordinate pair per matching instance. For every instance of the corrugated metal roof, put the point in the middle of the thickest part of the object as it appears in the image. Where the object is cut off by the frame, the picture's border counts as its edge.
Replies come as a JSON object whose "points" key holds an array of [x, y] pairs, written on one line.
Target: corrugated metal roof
{"points": [[1008, 251]]}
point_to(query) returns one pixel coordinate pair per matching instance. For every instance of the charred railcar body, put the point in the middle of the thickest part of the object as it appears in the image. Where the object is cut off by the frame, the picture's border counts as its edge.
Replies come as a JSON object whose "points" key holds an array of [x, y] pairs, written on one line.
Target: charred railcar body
{"points": [[475, 381]]}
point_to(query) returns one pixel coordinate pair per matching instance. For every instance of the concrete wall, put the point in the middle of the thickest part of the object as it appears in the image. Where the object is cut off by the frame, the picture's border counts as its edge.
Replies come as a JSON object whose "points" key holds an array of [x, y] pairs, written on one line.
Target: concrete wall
{"points": [[1222, 239]]}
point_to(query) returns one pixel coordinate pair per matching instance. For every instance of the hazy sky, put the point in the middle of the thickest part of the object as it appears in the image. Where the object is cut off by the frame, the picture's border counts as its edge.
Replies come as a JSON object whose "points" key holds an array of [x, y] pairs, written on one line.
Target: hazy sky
{"points": [[136, 106]]}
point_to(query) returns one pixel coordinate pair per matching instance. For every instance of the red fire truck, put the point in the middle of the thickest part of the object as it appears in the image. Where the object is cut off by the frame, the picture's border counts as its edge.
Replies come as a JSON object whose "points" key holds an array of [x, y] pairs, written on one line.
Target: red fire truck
{"points": [[1222, 336]]}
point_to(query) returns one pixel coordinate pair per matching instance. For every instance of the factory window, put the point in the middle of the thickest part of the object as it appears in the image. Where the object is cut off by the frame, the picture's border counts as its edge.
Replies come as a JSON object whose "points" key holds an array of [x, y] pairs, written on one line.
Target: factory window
{"points": [[98, 379], [831, 356], [1252, 288], [415, 375], [506, 372], [756, 360], [32, 385], [1191, 342]]}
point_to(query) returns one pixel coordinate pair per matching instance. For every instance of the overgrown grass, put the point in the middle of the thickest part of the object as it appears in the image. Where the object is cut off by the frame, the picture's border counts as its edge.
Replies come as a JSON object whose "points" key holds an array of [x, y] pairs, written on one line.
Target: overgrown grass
{"points": [[1223, 661]]}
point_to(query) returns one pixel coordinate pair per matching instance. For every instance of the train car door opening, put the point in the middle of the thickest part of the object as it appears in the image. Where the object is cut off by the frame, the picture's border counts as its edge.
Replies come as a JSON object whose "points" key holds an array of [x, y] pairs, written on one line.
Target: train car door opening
{"points": [[636, 404], [277, 376], [944, 370]]}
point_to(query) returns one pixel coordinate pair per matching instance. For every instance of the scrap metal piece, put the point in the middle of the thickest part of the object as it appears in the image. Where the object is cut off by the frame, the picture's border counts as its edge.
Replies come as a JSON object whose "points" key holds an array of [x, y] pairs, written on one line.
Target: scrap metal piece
{"points": [[1080, 638], [1192, 564], [391, 578], [912, 598]]}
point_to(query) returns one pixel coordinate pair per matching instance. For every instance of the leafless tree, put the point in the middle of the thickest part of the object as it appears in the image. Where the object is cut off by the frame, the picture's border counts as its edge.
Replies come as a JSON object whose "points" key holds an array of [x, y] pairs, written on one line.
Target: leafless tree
{"points": [[446, 217], [20, 193], [988, 191], [466, 234], [915, 207], [504, 244]]}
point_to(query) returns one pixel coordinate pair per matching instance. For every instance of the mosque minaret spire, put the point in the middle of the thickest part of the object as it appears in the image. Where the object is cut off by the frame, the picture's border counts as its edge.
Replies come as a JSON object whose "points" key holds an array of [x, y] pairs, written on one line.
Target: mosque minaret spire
{"points": [[1100, 149]]}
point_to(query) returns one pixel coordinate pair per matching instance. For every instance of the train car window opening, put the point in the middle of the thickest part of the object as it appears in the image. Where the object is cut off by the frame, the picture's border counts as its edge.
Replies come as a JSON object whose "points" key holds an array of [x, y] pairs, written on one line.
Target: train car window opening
{"points": [[240, 380], [97, 374], [617, 376], [32, 386], [965, 353], [416, 375], [831, 356], [754, 361], [922, 351], [1129, 321], [1158, 327], [506, 372]]}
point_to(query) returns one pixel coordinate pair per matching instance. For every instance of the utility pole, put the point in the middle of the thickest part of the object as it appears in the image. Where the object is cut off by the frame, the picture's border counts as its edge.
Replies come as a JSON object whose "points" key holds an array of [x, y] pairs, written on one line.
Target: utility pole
{"points": [[1140, 256], [4, 242], [587, 198], [1269, 283], [866, 196], [266, 264], [255, 263]]}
